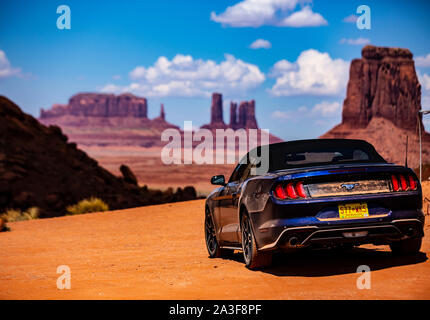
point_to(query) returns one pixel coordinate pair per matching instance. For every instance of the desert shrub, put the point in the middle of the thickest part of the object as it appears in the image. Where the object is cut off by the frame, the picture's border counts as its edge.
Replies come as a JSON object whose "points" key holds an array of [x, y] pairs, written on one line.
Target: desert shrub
{"points": [[87, 206], [18, 215]]}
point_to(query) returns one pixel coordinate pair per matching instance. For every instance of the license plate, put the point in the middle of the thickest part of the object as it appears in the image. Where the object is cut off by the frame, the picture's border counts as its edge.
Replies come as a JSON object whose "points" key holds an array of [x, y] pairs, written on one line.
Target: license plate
{"points": [[353, 211]]}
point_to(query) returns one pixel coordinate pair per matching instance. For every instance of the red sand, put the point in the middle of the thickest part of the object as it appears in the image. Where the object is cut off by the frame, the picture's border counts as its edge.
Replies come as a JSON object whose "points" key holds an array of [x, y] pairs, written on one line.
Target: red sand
{"points": [[158, 252]]}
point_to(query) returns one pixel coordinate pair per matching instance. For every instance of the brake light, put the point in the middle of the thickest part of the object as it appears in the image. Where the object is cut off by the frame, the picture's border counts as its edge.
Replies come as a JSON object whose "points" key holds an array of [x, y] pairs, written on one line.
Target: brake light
{"points": [[403, 183], [412, 183], [395, 183], [300, 189], [280, 192], [291, 192]]}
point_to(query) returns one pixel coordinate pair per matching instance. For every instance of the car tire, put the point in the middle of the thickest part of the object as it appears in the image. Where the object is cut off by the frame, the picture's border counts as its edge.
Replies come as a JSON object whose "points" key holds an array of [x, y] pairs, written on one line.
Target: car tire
{"points": [[408, 246], [212, 245], [254, 259]]}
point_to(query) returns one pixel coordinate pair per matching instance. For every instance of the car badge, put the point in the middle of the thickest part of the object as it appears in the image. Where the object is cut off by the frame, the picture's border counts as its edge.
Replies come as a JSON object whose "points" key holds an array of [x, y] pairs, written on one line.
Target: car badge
{"points": [[349, 187]]}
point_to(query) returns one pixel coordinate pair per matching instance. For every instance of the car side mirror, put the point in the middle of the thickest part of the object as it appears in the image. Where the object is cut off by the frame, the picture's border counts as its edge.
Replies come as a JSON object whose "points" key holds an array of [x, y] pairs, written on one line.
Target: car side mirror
{"points": [[218, 180]]}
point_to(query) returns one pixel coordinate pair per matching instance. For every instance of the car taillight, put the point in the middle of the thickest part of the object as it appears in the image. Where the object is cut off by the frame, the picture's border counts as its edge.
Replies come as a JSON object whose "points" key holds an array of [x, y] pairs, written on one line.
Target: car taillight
{"points": [[290, 191], [395, 182], [403, 183], [412, 183], [280, 192], [300, 189]]}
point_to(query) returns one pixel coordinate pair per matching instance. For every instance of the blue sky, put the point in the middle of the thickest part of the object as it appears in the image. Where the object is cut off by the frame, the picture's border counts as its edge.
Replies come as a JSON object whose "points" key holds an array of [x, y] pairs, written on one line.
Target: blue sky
{"points": [[177, 52]]}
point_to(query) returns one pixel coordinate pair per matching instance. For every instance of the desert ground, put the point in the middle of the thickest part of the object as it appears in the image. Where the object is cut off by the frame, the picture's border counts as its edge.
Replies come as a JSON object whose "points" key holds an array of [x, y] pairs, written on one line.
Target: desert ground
{"points": [[158, 252]]}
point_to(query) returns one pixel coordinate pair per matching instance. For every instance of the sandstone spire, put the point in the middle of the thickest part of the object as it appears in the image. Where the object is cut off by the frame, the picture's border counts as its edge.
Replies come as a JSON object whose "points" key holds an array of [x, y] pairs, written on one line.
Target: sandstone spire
{"points": [[233, 115], [216, 109], [383, 83], [162, 113]]}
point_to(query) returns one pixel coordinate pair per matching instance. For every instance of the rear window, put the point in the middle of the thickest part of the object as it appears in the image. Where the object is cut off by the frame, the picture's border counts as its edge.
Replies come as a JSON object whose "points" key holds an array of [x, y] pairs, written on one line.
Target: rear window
{"points": [[318, 153], [334, 156]]}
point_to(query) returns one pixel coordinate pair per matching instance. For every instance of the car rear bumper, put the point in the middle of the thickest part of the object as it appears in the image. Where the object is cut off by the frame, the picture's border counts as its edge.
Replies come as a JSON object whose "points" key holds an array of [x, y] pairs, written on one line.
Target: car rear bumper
{"points": [[376, 233], [317, 222]]}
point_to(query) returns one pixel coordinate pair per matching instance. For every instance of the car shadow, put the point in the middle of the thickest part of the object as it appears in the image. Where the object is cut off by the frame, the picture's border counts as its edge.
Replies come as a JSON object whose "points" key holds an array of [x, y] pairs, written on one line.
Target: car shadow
{"points": [[325, 262]]}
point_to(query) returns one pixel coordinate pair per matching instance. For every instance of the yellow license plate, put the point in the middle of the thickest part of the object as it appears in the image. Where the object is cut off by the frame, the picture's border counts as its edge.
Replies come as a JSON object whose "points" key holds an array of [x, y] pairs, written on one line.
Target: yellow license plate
{"points": [[353, 211]]}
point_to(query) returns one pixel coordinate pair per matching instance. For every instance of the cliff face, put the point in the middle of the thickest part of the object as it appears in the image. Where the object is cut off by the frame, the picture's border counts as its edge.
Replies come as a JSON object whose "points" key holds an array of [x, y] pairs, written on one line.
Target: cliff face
{"points": [[382, 104], [383, 83]]}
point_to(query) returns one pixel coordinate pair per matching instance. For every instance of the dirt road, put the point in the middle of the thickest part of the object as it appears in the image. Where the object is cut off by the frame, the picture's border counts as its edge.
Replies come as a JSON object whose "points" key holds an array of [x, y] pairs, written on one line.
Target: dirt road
{"points": [[158, 252]]}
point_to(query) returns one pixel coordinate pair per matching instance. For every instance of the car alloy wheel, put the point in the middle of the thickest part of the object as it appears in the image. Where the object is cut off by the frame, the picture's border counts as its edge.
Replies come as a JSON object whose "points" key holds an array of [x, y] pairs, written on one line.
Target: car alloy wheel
{"points": [[254, 259], [211, 241]]}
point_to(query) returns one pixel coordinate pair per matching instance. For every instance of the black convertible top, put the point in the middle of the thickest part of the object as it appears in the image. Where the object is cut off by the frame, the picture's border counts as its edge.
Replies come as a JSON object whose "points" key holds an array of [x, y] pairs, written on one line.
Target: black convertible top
{"points": [[304, 153]]}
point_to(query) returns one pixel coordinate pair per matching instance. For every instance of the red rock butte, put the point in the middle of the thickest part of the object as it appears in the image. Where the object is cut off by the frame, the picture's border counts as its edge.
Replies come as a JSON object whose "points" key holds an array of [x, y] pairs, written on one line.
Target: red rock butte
{"points": [[383, 83], [107, 119], [244, 118], [382, 105]]}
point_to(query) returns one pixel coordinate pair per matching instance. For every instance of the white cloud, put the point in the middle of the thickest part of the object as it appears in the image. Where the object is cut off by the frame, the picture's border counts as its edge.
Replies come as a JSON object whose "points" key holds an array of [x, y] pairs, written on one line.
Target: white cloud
{"points": [[425, 101], [111, 88], [355, 42], [425, 81], [261, 44], [281, 67], [327, 109], [314, 73], [320, 111], [304, 18], [6, 69], [350, 19], [186, 76], [423, 61], [256, 13]]}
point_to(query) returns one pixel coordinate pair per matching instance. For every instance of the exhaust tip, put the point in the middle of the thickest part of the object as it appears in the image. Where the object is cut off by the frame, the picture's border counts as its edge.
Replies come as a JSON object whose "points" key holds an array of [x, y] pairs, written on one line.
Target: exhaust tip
{"points": [[411, 232], [293, 241]]}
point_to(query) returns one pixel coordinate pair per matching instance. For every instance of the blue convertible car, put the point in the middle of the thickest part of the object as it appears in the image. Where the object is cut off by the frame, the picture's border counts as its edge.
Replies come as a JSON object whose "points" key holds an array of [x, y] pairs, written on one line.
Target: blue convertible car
{"points": [[313, 193]]}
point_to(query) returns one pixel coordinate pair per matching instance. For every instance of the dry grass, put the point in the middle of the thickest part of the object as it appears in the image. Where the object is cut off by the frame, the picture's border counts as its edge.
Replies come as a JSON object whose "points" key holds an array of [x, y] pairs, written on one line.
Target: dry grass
{"points": [[88, 206], [13, 215]]}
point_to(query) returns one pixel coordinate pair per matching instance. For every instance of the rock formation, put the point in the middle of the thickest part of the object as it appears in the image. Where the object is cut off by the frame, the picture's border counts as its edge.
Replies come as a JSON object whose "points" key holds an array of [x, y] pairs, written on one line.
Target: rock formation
{"points": [[233, 115], [382, 104], [216, 109], [244, 118], [240, 118], [247, 115], [39, 168], [128, 175], [217, 118], [162, 113], [100, 105], [105, 119], [383, 83]]}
